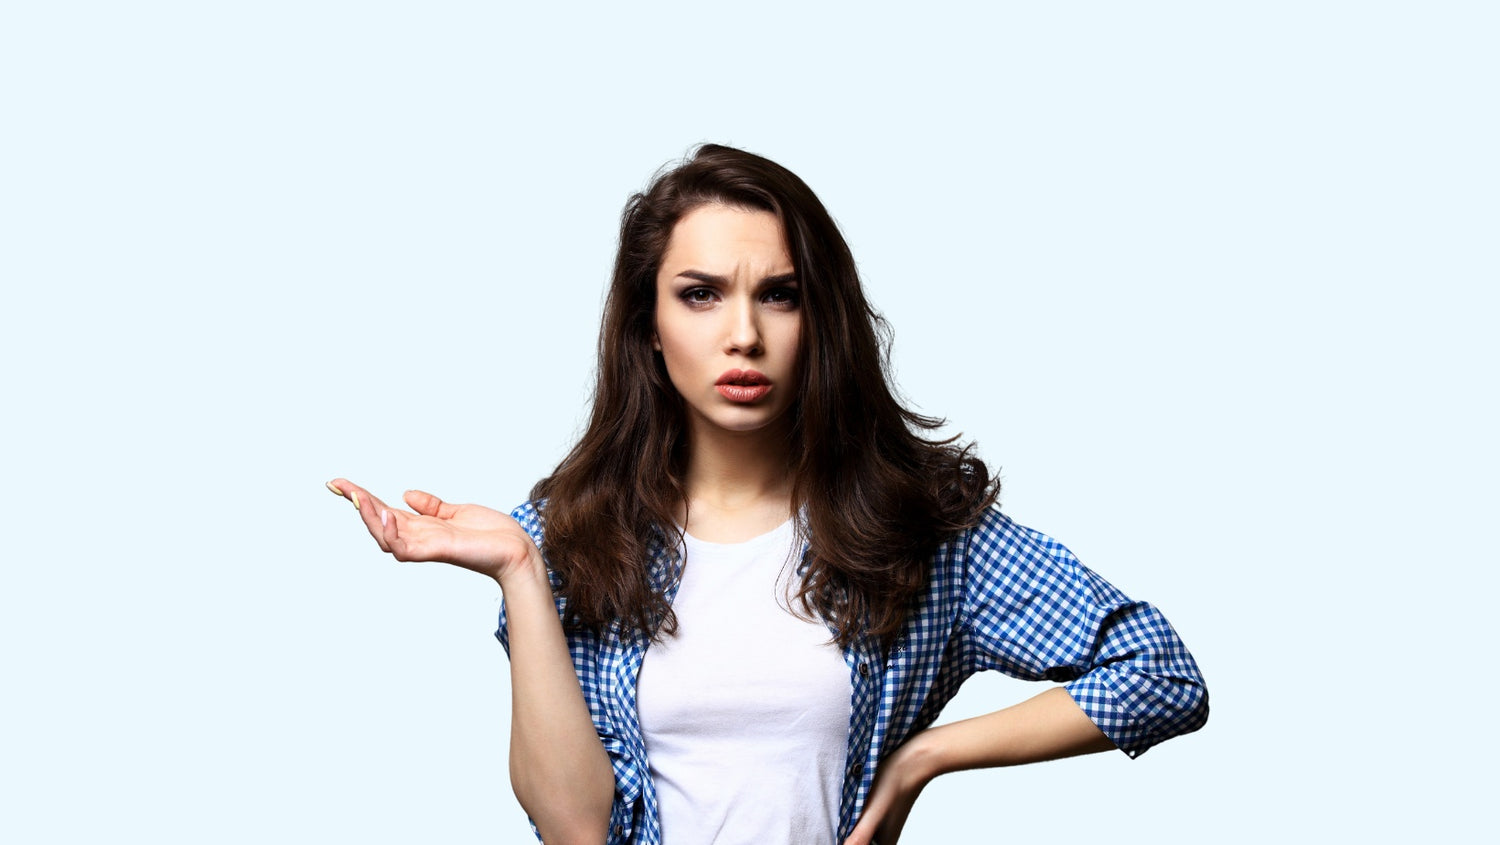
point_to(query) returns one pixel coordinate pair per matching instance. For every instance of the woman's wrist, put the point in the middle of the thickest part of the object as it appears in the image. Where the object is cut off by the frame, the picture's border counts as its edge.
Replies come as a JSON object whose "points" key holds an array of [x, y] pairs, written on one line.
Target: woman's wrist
{"points": [[921, 758], [528, 575]]}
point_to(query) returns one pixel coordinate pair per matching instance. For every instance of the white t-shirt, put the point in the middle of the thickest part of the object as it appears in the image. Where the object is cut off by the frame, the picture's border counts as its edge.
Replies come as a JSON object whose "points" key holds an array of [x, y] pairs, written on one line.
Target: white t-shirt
{"points": [[745, 710]]}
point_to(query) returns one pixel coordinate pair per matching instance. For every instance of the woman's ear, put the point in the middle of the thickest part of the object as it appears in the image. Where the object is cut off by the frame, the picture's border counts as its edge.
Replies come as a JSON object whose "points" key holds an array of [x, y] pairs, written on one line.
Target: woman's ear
{"points": [[655, 341]]}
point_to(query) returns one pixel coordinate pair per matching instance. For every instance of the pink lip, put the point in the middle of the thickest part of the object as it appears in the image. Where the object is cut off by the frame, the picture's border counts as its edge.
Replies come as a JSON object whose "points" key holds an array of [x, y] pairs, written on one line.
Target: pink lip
{"points": [[742, 377], [743, 392], [743, 385]]}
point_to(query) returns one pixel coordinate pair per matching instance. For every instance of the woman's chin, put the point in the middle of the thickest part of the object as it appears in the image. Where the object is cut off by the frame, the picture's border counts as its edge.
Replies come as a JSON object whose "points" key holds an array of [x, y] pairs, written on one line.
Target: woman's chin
{"points": [[742, 419]]}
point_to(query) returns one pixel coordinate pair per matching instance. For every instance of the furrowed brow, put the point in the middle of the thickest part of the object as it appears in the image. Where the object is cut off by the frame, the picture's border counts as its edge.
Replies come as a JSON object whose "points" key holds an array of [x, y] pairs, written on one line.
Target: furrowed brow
{"points": [[711, 279]]}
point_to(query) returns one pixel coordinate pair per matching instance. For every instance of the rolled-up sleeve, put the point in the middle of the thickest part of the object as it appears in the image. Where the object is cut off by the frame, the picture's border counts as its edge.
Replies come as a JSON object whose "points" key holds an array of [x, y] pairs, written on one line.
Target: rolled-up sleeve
{"points": [[1033, 611]]}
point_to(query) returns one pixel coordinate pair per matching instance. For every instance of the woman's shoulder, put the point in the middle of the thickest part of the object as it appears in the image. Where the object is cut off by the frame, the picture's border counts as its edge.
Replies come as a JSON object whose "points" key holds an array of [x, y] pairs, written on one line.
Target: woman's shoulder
{"points": [[997, 540], [529, 515]]}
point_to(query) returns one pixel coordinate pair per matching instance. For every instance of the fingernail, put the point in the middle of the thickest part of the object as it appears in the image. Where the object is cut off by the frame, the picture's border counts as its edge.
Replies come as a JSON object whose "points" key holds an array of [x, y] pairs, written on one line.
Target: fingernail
{"points": [[336, 491], [382, 518], [354, 497]]}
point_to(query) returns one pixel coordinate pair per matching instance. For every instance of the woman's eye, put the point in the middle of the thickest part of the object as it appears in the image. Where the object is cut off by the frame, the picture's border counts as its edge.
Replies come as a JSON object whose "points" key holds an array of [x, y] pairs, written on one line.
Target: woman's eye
{"points": [[698, 296], [782, 296]]}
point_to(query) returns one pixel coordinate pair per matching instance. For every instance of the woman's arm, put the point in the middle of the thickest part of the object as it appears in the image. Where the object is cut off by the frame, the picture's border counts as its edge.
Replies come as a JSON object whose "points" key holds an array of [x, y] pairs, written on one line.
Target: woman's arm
{"points": [[1046, 727], [558, 767], [1032, 611]]}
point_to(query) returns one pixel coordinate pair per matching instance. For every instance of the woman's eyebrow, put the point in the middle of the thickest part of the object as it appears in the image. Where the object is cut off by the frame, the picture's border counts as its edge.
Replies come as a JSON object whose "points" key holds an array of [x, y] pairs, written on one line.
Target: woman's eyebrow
{"points": [[709, 278]]}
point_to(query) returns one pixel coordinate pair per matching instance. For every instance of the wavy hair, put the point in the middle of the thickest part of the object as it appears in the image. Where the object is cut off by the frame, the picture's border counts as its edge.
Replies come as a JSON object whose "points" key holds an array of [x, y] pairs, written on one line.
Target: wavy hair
{"points": [[877, 495]]}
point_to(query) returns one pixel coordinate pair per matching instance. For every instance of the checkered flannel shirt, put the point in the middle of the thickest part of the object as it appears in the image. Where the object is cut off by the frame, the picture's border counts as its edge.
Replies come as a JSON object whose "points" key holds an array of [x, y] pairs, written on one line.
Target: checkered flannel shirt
{"points": [[1001, 596]]}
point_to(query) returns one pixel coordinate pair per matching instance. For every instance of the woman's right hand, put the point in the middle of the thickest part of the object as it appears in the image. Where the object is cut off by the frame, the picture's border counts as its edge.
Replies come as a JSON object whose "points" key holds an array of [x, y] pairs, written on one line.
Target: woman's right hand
{"points": [[471, 536]]}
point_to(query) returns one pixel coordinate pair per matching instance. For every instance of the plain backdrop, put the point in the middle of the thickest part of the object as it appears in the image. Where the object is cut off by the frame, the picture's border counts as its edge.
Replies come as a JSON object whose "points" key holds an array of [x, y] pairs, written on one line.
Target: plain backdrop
{"points": [[1212, 285]]}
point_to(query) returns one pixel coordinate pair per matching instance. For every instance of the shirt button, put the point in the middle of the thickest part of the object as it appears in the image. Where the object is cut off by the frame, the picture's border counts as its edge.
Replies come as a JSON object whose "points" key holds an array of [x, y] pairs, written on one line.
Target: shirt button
{"points": [[619, 830], [864, 670]]}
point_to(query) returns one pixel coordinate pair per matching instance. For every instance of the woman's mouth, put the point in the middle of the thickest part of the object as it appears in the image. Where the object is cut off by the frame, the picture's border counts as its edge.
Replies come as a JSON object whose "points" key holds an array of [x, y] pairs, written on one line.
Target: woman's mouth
{"points": [[742, 385]]}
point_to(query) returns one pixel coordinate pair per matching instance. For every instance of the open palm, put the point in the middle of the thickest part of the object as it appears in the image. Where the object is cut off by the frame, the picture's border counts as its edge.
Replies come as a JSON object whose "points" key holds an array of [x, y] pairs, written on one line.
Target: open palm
{"points": [[471, 536]]}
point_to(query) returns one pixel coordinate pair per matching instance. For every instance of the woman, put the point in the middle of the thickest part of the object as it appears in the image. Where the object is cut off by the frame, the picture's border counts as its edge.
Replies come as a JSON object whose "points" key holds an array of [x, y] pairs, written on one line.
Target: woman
{"points": [[738, 604]]}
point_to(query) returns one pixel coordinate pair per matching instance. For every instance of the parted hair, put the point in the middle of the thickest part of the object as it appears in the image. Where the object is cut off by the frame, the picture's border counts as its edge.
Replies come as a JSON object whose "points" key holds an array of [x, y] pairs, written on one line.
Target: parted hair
{"points": [[877, 496]]}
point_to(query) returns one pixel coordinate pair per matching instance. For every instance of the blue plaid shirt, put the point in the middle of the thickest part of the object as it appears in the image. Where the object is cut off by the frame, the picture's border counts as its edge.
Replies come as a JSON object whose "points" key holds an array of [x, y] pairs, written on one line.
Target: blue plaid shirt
{"points": [[1001, 596]]}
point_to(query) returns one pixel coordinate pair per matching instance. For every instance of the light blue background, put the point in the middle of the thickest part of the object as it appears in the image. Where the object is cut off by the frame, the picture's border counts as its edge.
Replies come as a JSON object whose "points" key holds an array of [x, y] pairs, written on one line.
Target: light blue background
{"points": [[1213, 284]]}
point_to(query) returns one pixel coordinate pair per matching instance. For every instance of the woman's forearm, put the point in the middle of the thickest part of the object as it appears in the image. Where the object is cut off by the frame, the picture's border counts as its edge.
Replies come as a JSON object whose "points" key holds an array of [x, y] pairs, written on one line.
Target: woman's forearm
{"points": [[1045, 727], [558, 767]]}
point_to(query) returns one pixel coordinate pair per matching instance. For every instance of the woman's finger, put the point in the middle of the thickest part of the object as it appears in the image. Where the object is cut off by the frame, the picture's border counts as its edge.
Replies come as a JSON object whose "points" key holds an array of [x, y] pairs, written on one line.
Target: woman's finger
{"points": [[349, 490], [390, 534], [339, 486], [427, 504], [865, 829], [369, 509]]}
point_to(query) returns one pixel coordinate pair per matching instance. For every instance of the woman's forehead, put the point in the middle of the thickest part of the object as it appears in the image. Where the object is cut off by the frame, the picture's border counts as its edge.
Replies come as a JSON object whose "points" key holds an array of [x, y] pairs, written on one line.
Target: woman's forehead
{"points": [[721, 239]]}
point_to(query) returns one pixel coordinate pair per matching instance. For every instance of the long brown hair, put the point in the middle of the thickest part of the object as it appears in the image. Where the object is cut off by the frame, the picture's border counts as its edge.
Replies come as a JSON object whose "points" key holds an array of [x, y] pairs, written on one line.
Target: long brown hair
{"points": [[877, 496]]}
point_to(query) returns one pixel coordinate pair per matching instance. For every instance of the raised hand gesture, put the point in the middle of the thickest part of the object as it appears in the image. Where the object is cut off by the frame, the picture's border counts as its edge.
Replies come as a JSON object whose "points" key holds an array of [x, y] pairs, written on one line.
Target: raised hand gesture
{"points": [[471, 536]]}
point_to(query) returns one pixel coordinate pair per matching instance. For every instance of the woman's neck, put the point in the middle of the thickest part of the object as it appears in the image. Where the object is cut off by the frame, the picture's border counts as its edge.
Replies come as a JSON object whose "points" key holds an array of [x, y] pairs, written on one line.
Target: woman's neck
{"points": [[738, 484]]}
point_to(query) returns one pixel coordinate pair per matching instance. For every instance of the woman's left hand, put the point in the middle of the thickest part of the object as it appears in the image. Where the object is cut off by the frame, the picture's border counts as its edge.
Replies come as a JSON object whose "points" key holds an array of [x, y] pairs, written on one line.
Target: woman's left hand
{"points": [[899, 780]]}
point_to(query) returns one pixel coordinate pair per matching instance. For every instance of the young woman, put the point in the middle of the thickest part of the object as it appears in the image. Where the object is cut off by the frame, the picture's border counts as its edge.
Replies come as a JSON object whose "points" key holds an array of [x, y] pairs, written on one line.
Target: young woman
{"points": [[737, 606]]}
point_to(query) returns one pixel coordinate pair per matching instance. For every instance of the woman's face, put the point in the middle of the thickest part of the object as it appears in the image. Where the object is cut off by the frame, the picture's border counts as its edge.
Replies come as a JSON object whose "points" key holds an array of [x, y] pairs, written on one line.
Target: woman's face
{"points": [[729, 318]]}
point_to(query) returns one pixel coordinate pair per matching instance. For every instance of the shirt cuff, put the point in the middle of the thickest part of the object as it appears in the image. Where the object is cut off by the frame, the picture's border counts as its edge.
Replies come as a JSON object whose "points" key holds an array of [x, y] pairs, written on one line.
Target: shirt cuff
{"points": [[1136, 712]]}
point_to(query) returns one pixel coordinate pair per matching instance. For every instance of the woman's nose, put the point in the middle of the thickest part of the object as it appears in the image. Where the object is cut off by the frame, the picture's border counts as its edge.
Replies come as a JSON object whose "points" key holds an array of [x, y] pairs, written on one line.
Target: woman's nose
{"points": [[744, 329]]}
